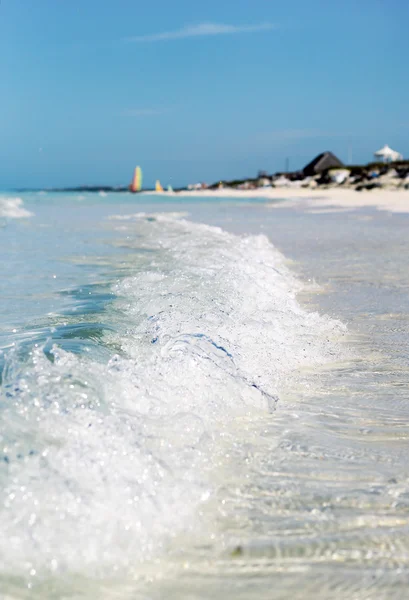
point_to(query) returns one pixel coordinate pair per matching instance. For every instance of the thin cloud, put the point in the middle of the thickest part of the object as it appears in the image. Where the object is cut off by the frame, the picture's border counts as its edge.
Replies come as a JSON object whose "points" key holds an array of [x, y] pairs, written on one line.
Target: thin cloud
{"points": [[201, 30], [298, 134], [142, 112]]}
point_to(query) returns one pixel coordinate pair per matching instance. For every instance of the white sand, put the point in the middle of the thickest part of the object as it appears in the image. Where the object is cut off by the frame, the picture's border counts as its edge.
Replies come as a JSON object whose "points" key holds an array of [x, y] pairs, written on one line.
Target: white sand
{"points": [[318, 200]]}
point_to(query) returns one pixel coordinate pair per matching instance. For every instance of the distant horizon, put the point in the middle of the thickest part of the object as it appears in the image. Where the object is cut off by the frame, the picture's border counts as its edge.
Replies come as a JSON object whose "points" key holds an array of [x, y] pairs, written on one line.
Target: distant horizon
{"points": [[124, 186], [300, 164]]}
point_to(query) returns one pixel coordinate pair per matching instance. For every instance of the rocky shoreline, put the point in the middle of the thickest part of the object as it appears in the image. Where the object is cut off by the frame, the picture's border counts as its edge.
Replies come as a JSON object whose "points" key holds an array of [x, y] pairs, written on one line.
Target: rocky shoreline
{"points": [[360, 178]]}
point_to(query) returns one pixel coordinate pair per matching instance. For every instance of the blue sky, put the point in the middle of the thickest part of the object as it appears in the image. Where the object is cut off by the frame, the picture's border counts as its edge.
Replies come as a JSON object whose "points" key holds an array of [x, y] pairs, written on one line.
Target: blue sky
{"points": [[196, 90]]}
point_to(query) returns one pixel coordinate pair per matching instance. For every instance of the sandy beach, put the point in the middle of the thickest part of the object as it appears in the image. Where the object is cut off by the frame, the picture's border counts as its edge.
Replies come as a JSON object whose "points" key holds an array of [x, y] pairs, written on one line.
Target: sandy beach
{"points": [[317, 200]]}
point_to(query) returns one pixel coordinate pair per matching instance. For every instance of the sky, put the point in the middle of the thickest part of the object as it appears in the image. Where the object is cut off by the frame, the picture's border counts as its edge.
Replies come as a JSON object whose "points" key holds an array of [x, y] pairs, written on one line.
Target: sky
{"points": [[196, 91]]}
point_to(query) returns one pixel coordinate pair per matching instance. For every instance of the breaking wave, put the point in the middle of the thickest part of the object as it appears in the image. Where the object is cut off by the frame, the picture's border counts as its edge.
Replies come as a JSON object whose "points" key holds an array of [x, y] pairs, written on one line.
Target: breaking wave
{"points": [[107, 455], [12, 208]]}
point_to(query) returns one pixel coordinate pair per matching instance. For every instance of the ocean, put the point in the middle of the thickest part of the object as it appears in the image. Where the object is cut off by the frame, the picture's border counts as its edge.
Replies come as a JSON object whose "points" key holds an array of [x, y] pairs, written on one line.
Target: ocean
{"points": [[202, 398]]}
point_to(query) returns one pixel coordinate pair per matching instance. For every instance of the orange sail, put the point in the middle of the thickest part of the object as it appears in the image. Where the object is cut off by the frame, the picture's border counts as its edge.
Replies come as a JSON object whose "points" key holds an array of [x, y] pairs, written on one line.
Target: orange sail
{"points": [[158, 187], [136, 184]]}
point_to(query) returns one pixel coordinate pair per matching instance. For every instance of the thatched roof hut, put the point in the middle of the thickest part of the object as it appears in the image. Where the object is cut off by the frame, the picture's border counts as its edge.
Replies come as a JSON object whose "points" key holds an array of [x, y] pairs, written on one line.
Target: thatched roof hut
{"points": [[321, 163]]}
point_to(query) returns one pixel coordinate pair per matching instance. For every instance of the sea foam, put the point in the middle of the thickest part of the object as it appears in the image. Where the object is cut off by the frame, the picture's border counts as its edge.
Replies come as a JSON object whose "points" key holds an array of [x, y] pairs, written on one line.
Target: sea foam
{"points": [[104, 461], [12, 208]]}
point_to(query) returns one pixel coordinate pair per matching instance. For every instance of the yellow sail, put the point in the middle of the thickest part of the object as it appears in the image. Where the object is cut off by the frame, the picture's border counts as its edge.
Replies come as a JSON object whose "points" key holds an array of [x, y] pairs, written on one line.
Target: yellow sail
{"points": [[158, 187], [136, 184]]}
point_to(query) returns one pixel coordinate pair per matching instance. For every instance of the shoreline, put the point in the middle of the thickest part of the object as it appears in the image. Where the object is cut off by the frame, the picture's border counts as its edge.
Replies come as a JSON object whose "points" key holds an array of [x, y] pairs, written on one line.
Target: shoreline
{"points": [[314, 200]]}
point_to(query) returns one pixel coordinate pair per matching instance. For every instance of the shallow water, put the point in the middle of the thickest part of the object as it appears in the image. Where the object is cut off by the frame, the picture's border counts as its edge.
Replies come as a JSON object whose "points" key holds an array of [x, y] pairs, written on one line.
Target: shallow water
{"points": [[175, 423], [335, 485]]}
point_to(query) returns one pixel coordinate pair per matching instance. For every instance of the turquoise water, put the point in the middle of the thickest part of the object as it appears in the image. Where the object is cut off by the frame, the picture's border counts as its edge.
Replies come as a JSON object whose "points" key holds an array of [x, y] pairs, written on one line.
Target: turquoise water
{"points": [[63, 257], [188, 411]]}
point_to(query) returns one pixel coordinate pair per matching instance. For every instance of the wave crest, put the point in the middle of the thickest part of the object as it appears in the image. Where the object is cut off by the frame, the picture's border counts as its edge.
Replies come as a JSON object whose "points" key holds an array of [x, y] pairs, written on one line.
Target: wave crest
{"points": [[104, 461], [12, 208]]}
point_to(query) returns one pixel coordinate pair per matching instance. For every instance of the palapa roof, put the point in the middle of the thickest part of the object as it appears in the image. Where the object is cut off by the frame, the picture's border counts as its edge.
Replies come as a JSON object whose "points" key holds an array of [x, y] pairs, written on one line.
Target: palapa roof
{"points": [[387, 152], [325, 160]]}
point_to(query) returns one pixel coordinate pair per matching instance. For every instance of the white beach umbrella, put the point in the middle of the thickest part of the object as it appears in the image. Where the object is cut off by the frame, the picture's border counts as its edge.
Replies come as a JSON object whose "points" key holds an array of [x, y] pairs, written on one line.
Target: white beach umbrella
{"points": [[387, 154]]}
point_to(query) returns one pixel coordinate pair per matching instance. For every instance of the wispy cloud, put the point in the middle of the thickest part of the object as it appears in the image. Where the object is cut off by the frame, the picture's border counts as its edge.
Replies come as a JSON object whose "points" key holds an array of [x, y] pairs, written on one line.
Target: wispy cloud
{"points": [[203, 29], [142, 112], [298, 134]]}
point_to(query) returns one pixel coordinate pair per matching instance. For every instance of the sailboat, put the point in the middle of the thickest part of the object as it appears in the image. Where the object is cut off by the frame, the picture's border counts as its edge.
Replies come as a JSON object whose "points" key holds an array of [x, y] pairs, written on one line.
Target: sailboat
{"points": [[158, 187], [170, 189], [136, 184]]}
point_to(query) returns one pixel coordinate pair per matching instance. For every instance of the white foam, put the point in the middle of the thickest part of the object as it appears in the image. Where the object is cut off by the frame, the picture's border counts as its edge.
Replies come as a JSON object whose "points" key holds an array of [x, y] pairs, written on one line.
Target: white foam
{"points": [[150, 216], [12, 208], [106, 461]]}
